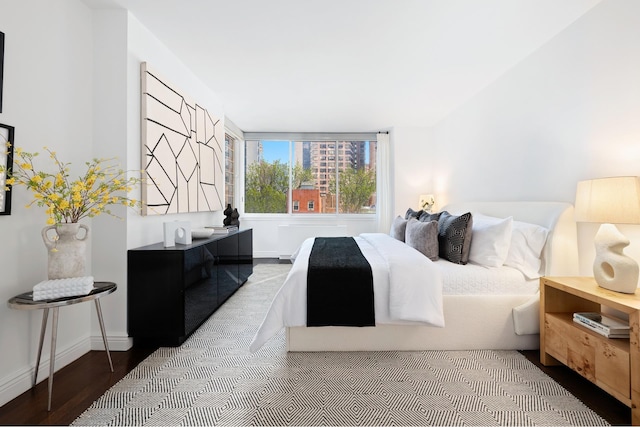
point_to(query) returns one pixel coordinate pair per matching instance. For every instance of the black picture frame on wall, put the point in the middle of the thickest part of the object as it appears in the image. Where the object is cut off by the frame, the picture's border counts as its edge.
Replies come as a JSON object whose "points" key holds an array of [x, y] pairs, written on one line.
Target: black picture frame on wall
{"points": [[1, 66], [7, 133]]}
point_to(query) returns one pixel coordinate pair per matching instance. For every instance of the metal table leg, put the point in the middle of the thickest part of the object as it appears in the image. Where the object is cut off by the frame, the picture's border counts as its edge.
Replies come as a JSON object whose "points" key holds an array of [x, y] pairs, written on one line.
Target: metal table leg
{"points": [[104, 334], [25, 301], [52, 361], [43, 328]]}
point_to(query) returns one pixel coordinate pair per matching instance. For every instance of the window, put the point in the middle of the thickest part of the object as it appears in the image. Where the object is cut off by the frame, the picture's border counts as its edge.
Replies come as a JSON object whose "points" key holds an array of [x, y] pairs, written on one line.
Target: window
{"points": [[266, 176], [334, 176]]}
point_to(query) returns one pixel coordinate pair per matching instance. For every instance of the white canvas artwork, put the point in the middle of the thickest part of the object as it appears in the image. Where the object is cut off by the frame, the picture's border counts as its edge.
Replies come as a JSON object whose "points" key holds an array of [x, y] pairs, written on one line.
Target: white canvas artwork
{"points": [[182, 150]]}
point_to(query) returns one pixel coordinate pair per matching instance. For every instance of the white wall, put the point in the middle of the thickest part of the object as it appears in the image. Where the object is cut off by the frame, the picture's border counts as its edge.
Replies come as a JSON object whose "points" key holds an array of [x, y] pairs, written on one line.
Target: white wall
{"points": [[123, 43], [265, 228], [110, 141], [568, 112], [413, 161], [48, 78]]}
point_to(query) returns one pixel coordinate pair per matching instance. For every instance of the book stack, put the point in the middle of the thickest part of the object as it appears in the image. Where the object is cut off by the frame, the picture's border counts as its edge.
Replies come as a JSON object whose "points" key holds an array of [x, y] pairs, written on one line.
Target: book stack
{"points": [[225, 229], [608, 326]]}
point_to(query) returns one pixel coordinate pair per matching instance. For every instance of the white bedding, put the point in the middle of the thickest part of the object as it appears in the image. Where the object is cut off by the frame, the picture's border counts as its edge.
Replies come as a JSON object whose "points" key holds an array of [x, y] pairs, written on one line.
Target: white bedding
{"points": [[398, 297], [509, 322], [473, 279]]}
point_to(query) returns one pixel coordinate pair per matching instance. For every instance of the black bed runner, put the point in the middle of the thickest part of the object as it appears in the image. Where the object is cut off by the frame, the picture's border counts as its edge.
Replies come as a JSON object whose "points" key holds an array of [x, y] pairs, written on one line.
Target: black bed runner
{"points": [[339, 284]]}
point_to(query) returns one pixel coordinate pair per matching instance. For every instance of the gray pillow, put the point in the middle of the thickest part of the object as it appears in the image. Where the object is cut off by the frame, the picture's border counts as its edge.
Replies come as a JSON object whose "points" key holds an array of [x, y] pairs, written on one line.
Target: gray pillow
{"points": [[398, 228], [454, 237], [423, 236], [427, 217], [412, 214]]}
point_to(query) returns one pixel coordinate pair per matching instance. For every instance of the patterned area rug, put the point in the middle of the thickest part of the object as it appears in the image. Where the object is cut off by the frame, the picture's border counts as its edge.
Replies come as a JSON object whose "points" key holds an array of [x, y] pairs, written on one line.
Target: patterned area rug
{"points": [[212, 379]]}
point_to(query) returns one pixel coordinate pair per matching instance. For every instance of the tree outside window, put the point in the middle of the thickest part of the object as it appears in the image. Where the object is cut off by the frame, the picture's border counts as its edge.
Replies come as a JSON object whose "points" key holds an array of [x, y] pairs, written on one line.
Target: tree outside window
{"points": [[332, 176]]}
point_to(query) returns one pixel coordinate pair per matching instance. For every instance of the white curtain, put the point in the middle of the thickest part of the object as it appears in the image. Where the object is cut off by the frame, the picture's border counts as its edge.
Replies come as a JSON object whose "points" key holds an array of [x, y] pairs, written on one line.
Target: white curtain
{"points": [[384, 198]]}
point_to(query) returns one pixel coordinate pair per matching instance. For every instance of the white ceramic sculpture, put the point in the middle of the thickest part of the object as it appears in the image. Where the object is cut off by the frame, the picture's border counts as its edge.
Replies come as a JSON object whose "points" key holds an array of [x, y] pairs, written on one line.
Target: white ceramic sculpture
{"points": [[613, 269], [177, 232]]}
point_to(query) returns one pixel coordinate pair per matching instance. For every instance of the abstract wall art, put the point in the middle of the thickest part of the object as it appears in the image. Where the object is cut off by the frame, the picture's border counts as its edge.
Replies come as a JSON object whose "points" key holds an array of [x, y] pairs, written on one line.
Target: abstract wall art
{"points": [[182, 150]]}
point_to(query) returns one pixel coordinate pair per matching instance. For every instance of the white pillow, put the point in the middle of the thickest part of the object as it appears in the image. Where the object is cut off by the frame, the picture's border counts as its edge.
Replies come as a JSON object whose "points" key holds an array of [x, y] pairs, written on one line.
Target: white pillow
{"points": [[490, 240], [525, 252]]}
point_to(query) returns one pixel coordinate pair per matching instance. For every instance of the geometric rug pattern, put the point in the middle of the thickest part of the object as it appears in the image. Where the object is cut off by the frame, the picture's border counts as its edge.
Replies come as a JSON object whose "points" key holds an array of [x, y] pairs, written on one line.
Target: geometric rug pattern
{"points": [[212, 379]]}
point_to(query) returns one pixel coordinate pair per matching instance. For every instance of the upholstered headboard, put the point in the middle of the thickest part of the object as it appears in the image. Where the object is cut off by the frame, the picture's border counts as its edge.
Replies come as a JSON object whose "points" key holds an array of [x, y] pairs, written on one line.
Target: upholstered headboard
{"points": [[560, 254]]}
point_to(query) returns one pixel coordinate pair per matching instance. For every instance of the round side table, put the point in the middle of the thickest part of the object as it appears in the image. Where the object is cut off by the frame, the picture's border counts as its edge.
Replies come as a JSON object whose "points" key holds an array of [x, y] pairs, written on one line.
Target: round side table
{"points": [[25, 302]]}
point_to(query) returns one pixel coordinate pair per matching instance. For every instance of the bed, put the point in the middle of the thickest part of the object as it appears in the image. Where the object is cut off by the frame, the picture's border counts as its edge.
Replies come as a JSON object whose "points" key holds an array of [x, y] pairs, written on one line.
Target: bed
{"points": [[482, 307]]}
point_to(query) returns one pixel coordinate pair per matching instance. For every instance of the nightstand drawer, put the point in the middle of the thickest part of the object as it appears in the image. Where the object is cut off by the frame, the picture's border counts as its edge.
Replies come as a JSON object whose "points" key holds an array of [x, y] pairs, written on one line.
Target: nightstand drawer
{"points": [[601, 360]]}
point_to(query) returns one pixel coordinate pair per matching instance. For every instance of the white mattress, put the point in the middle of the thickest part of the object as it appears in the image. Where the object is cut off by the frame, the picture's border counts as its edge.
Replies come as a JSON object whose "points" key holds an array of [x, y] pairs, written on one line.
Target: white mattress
{"points": [[473, 279]]}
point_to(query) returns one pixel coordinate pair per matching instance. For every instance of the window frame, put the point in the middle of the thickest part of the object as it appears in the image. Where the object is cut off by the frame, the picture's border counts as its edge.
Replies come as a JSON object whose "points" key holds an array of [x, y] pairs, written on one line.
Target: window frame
{"points": [[291, 138], [236, 133]]}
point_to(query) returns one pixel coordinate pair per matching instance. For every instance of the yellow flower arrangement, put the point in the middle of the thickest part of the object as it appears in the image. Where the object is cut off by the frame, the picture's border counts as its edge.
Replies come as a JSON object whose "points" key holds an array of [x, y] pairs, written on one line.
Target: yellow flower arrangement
{"points": [[66, 200]]}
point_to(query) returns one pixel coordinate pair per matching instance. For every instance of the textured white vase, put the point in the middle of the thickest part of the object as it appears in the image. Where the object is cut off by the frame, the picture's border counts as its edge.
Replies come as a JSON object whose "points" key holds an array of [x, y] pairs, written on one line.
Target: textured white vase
{"points": [[613, 269], [67, 249]]}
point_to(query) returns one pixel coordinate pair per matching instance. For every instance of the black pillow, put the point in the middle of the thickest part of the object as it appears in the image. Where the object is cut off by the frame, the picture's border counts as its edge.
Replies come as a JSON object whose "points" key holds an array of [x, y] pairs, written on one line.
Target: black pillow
{"points": [[412, 214], [454, 236]]}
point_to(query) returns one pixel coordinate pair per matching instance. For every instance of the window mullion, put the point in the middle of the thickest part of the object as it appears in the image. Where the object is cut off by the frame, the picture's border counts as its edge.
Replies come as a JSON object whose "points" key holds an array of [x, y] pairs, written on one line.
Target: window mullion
{"points": [[290, 195], [337, 172]]}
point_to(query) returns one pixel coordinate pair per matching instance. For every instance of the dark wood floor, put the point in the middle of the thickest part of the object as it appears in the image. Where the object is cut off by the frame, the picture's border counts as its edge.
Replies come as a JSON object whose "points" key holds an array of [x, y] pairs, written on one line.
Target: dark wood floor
{"points": [[612, 410], [77, 385], [75, 388]]}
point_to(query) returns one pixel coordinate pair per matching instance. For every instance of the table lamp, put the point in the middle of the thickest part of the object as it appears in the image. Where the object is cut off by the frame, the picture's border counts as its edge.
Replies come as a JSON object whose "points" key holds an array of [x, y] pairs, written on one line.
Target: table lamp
{"points": [[426, 202], [608, 201]]}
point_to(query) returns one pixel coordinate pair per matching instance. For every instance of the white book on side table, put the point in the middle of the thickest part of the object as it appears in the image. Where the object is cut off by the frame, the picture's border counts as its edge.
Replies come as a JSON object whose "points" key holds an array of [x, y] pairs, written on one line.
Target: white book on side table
{"points": [[609, 326]]}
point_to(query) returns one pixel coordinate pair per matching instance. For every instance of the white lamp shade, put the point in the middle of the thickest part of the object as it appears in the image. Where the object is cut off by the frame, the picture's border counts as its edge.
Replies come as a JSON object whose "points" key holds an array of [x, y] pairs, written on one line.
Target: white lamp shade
{"points": [[613, 200]]}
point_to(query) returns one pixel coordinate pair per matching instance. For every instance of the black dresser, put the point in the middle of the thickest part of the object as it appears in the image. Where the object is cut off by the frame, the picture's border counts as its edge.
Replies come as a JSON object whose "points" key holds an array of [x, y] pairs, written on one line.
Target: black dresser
{"points": [[172, 291]]}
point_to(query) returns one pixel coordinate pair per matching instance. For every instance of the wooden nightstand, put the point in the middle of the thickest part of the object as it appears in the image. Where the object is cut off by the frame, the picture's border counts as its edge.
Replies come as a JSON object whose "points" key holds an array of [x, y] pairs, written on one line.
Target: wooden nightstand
{"points": [[611, 364]]}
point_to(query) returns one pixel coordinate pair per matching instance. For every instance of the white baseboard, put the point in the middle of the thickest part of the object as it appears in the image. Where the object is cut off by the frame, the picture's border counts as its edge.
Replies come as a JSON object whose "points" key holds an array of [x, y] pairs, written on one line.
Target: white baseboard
{"points": [[265, 254], [20, 381], [13, 385], [115, 343]]}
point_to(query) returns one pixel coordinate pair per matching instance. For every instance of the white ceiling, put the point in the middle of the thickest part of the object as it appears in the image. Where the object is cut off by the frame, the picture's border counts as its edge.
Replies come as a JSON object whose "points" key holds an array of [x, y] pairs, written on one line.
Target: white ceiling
{"points": [[349, 65]]}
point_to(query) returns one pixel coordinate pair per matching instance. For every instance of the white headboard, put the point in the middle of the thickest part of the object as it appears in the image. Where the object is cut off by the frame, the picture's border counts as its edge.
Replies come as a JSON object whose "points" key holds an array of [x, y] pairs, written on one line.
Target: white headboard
{"points": [[560, 254]]}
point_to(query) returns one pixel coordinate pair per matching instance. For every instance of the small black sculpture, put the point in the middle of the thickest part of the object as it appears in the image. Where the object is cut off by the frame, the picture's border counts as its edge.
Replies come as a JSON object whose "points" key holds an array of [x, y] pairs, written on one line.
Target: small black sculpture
{"points": [[227, 213], [234, 218], [231, 217]]}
